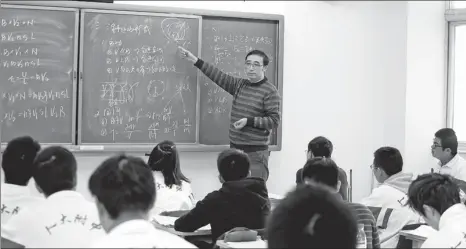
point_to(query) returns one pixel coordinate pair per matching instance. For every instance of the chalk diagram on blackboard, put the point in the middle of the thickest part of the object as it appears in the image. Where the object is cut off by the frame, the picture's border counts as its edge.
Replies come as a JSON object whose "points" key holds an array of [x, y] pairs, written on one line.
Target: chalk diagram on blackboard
{"points": [[175, 30], [156, 88], [118, 93]]}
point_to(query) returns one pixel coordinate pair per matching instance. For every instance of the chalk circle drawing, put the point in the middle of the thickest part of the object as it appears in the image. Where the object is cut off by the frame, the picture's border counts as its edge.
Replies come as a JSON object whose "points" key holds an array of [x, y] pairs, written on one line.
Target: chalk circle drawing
{"points": [[174, 29], [155, 88]]}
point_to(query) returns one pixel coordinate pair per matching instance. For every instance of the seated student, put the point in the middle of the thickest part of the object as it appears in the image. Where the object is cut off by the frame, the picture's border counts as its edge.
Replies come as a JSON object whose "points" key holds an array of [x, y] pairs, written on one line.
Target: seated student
{"points": [[173, 188], [445, 149], [322, 147], [324, 171], [436, 198], [387, 201], [124, 189], [240, 202], [311, 217], [65, 218], [17, 164]]}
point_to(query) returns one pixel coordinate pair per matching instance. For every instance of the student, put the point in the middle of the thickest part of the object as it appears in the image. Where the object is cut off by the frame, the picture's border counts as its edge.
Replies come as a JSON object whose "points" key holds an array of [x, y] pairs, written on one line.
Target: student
{"points": [[65, 219], [17, 165], [240, 202], [436, 198], [255, 109], [388, 200], [311, 217], [173, 188], [124, 189], [445, 149], [322, 147], [324, 171]]}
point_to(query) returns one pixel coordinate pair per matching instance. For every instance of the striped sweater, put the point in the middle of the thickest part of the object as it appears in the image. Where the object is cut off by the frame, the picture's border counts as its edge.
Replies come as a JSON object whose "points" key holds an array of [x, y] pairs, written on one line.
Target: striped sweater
{"points": [[258, 102], [364, 216]]}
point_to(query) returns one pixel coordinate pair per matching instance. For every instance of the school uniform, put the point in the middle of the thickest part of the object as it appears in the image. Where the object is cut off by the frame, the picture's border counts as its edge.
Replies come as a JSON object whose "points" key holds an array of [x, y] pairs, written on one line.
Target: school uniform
{"points": [[63, 220], [452, 229], [242, 203], [172, 198], [456, 168], [140, 234], [387, 203], [15, 198]]}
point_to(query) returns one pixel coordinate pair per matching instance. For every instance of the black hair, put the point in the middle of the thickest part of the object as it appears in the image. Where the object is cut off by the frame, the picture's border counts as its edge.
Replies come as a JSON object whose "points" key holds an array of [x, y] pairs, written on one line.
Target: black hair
{"points": [[320, 147], [164, 158], [55, 170], [265, 58], [311, 217], [18, 158], [123, 183], [321, 170], [389, 159], [233, 165], [435, 190], [448, 139]]}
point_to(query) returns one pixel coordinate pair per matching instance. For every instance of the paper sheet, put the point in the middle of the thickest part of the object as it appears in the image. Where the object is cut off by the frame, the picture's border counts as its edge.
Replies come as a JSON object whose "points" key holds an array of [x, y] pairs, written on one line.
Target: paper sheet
{"points": [[170, 221], [250, 244]]}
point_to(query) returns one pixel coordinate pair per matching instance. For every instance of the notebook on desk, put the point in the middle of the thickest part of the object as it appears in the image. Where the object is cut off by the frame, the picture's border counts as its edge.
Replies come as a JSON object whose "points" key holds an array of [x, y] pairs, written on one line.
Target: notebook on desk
{"points": [[169, 222]]}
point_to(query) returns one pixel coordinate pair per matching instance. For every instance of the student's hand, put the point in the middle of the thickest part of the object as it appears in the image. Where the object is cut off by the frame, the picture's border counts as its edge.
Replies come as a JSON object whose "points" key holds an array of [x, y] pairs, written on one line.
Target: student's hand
{"points": [[240, 123], [185, 54]]}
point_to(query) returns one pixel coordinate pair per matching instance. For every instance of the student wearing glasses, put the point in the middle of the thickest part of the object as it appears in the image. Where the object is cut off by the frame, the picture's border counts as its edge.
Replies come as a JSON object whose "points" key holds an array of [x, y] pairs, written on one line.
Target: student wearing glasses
{"points": [[445, 149], [255, 109]]}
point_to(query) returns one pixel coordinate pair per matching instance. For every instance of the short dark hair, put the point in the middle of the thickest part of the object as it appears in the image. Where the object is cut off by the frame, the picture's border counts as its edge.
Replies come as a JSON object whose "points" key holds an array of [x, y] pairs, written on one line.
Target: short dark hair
{"points": [[18, 158], [165, 159], [448, 139], [265, 58], [389, 159], [233, 165], [320, 147], [307, 217], [123, 183], [55, 170], [435, 190], [322, 170]]}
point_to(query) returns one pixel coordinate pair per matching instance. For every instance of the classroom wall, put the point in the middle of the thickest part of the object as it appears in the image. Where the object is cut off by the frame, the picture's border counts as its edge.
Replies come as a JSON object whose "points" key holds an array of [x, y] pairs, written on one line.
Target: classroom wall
{"points": [[426, 88], [346, 76]]}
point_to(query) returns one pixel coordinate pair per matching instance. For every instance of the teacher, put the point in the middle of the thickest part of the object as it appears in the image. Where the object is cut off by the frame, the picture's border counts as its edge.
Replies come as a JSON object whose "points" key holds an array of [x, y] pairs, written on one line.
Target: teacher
{"points": [[255, 110]]}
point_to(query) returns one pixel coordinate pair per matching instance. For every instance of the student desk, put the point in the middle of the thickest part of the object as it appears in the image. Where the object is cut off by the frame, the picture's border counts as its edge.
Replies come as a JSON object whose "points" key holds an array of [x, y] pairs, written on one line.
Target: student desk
{"points": [[418, 235], [250, 244]]}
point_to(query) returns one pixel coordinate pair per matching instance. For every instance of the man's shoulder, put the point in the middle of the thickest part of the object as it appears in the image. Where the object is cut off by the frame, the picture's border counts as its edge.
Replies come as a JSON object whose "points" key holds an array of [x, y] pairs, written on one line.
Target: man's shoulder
{"points": [[360, 209]]}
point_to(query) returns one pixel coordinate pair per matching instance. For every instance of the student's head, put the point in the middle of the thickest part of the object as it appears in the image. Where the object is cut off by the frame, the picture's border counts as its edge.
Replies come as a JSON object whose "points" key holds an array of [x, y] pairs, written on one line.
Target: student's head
{"points": [[164, 158], [431, 195], [319, 147], [256, 63], [311, 217], [55, 170], [233, 165], [445, 145], [124, 189], [387, 162], [17, 160], [322, 170]]}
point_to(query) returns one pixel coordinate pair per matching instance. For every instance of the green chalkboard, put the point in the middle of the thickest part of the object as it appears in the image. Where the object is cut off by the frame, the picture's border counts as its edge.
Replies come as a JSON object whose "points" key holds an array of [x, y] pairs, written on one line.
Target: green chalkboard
{"points": [[38, 61]]}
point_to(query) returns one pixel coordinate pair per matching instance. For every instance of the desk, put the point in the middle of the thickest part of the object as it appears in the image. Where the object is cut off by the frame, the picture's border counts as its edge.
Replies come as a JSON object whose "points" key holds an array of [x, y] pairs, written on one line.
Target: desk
{"points": [[418, 235], [250, 244], [417, 240]]}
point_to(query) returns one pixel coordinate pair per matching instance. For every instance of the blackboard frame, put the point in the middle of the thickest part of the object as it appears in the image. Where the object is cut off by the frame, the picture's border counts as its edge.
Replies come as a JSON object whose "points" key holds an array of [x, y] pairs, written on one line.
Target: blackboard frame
{"points": [[138, 146], [178, 11], [14, 5]]}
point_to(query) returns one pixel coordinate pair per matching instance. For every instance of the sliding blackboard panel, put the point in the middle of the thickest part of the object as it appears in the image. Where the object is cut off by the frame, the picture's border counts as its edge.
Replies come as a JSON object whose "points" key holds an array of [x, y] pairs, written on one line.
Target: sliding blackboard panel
{"points": [[37, 69], [225, 43], [135, 87]]}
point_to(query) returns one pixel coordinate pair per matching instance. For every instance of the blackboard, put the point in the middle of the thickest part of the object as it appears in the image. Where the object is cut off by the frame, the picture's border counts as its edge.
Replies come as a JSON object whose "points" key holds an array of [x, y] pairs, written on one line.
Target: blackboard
{"points": [[37, 73], [225, 43], [114, 77], [135, 88]]}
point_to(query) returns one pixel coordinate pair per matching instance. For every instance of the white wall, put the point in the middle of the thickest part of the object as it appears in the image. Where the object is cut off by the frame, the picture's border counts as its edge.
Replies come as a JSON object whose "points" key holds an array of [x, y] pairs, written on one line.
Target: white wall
{"points": [[346, 77], [426, 88]]}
